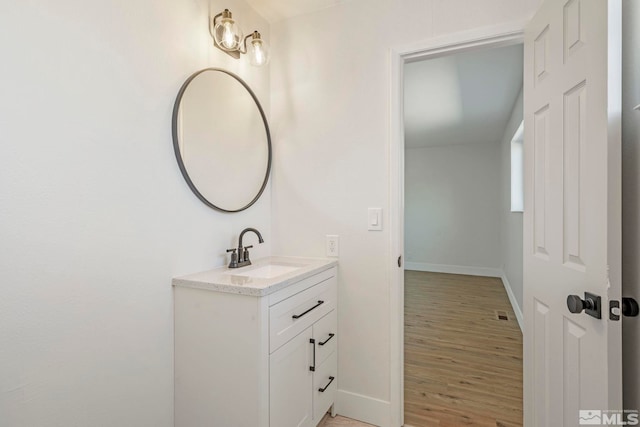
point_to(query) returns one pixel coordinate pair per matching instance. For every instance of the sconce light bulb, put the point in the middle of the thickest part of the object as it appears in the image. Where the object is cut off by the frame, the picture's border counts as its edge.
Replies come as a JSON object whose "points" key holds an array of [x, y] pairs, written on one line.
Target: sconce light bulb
{"points": [[228, 38], [258, 52], [227, 34]]}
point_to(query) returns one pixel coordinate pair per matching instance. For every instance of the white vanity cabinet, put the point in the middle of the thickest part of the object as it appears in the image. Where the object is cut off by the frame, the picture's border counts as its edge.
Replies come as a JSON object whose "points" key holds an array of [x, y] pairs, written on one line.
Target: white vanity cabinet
{"points": [[247, 360]]}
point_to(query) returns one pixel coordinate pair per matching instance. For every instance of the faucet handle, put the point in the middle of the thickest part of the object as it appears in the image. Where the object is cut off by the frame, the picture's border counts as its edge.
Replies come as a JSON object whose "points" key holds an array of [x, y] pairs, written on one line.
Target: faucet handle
{"points": [[234, 258], [245, 254]]}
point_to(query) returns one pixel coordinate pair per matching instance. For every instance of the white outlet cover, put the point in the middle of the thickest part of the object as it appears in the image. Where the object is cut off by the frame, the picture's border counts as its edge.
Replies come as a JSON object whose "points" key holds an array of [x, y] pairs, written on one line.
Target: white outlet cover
{"points": [[333, 245]]}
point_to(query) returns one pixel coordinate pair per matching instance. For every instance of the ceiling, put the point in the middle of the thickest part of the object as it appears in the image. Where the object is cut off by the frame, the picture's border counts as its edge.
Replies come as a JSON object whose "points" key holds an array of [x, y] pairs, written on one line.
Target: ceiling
{"points": [[276, 10], [462, 98]]}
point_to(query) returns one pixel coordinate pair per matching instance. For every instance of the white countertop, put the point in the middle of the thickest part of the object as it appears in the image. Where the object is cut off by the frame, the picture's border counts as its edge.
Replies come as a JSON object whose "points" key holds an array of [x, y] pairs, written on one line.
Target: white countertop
{"points": [[231, 280]]}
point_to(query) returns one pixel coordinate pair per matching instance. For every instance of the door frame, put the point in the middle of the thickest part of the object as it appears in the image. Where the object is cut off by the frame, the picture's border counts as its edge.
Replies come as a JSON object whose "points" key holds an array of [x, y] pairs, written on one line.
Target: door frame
{"points": [[496, 36]]}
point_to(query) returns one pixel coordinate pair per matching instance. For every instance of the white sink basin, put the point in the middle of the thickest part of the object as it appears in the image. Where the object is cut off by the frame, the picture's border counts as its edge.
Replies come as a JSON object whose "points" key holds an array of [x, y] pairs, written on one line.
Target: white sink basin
{"points": [[268, 271]]}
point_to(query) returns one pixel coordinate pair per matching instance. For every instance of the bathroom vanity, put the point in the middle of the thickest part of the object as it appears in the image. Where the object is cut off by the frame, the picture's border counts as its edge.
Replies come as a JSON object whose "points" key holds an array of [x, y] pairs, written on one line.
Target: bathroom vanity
{"points": [[256, 346]]}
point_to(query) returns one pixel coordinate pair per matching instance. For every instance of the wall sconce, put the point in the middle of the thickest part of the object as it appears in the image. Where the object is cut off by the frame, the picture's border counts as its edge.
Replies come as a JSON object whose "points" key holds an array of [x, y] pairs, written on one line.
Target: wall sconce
{"points": [[228, 37]]}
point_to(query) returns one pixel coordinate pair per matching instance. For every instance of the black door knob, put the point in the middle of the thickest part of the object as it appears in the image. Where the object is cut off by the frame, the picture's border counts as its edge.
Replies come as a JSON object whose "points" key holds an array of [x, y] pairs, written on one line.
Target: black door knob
{"points": [[630, 307], [575, 304], [590, 304]]}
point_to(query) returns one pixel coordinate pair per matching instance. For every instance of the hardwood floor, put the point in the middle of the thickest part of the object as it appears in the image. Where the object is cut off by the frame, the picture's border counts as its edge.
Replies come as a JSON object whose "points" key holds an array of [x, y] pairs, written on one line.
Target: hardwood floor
{"points": [[463, 366], [339, 421]]}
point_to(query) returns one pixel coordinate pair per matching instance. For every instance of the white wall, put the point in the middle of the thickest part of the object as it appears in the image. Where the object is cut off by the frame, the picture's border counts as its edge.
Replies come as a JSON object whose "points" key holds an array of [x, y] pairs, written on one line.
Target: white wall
{"points": [[512, 245], [630, 191], [95, 217], [453, 207], [330, 115]]}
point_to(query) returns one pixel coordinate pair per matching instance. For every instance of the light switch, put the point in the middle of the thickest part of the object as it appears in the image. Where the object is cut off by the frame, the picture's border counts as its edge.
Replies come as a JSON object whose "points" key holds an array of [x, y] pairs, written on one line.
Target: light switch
{"points": [[375, 219]]}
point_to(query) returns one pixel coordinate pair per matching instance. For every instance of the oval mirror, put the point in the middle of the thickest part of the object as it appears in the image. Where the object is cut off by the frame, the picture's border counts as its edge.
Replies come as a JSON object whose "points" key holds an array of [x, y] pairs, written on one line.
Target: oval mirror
{"points": [[221, 139]]}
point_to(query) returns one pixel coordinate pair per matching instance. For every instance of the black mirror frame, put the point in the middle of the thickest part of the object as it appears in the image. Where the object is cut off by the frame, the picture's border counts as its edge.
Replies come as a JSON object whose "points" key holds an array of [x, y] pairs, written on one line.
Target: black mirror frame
{"points": [[176, 146]]}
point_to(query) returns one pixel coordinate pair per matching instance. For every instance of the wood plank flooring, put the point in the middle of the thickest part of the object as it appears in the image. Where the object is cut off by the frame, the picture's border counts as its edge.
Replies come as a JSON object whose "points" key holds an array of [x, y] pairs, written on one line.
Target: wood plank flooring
{"points": [[339, 421], [463, 366]]}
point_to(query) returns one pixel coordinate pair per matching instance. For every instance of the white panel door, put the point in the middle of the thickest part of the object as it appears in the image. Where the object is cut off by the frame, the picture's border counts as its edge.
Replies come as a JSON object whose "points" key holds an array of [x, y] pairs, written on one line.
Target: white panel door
{"points": [[290, 382], [572, 220]]}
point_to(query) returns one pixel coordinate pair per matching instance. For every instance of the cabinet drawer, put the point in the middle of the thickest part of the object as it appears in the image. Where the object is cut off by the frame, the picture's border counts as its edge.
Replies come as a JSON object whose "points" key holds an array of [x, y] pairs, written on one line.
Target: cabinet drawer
{"points": [[322, 400], [325, 335], [293, 315]]}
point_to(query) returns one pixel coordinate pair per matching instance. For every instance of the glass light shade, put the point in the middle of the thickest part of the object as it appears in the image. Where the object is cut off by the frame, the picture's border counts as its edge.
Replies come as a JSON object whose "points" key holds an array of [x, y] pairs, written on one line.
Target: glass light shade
{"points": [[227, 34], [258, 51]]}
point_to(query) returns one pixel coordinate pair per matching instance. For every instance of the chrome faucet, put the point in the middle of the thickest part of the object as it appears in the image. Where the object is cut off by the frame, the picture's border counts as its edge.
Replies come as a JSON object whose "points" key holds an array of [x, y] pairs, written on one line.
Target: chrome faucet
{"points": [[241, 258]]}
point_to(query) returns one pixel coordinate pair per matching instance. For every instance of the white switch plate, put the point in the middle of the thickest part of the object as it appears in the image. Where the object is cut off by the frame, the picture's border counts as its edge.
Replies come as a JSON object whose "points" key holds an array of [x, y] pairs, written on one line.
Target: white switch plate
{"points": [[375, 219], [333, 245]]}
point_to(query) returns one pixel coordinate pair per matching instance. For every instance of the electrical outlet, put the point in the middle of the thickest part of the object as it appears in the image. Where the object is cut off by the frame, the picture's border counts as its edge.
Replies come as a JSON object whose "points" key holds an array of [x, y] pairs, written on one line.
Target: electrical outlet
{"points": [[333, 245]]}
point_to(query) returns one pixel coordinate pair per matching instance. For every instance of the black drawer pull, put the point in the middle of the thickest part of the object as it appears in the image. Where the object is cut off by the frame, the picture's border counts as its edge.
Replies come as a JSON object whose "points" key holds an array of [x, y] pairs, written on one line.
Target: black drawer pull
{"points": [[313, 343], [327, 340], [322, 389], [297, 316]]}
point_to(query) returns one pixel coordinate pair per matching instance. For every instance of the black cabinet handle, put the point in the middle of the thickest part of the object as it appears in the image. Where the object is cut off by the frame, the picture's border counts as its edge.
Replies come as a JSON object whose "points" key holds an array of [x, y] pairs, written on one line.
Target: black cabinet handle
{"points": [[322, 389], [297, 316], [313, 343], [327, 340]]}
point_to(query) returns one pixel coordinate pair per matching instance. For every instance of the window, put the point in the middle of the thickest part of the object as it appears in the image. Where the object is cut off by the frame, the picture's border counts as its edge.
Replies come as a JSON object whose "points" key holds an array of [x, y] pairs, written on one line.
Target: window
{"points": [[517, 170]]}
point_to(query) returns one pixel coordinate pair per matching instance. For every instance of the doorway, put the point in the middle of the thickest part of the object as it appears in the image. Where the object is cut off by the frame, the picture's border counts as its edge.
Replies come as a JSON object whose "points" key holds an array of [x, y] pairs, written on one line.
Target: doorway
{"points": [[463, 237], [481, 39]]}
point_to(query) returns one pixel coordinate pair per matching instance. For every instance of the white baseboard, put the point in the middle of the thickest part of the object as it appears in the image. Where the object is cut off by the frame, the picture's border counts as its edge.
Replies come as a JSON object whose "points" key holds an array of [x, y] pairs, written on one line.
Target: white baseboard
{"points": [[363, 408], [512, 300], [454, 269]]}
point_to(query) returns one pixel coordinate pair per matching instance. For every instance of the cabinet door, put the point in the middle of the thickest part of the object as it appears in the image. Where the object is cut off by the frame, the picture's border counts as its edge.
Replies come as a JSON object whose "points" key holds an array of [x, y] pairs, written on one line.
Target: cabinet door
{"points": [[291, 383], [324, 386]]}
